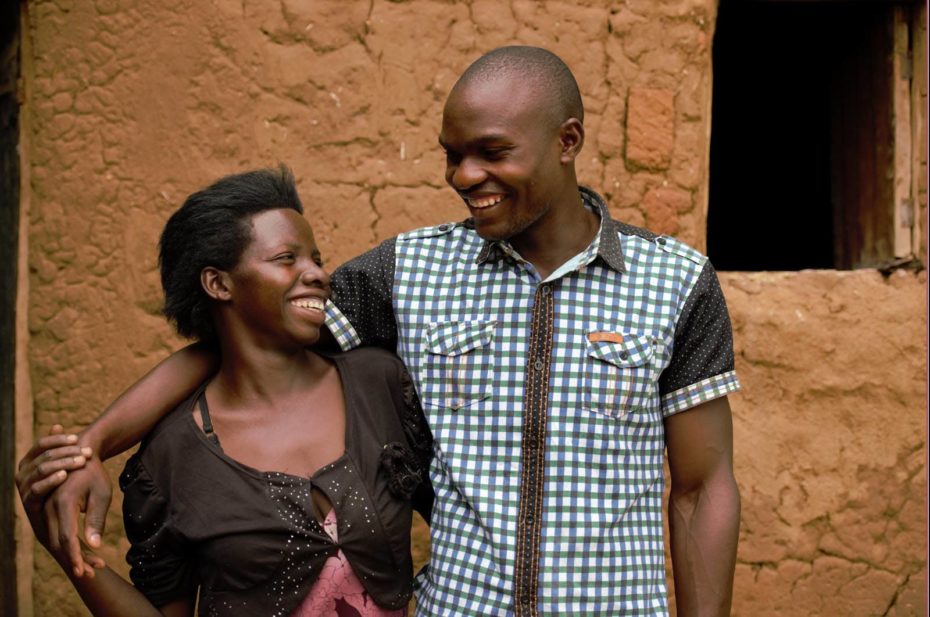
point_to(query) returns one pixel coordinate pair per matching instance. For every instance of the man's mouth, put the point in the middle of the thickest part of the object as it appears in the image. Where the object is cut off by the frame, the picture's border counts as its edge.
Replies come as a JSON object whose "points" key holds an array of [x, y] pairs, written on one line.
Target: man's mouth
{"points": [[484, 202], [313, 304]]}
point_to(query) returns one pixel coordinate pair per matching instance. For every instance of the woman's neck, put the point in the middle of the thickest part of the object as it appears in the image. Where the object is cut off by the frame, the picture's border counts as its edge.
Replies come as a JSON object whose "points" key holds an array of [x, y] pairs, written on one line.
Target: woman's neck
{"points": [[254, 375]]}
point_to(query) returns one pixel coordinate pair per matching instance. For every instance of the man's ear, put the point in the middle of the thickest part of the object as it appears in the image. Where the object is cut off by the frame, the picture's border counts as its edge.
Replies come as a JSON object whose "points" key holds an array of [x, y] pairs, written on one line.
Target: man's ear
{"points": [[216, 283], [571, 139]]}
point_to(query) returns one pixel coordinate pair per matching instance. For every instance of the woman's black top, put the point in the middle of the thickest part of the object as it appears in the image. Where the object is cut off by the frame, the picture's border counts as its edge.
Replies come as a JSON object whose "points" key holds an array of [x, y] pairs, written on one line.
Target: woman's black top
{"points": [[251, 540]]}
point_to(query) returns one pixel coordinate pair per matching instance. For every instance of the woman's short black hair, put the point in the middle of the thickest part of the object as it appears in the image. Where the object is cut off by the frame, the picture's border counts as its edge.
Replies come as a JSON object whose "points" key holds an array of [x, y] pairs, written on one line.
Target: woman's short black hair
{"points": [[213, 228]]}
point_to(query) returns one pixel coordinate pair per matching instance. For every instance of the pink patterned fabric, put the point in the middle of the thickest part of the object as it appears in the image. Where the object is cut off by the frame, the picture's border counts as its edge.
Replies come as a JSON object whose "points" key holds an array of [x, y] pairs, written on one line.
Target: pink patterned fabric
{"points": [[338, 592]]}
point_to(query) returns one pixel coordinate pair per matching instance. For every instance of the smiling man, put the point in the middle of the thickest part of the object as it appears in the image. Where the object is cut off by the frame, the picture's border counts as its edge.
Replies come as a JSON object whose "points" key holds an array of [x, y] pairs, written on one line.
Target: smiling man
{"points": [[557, 353]]}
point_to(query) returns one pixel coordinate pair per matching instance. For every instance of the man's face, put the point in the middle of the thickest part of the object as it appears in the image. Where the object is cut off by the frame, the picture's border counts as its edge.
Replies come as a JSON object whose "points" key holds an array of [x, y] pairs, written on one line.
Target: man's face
{"points": [[502, 156]]}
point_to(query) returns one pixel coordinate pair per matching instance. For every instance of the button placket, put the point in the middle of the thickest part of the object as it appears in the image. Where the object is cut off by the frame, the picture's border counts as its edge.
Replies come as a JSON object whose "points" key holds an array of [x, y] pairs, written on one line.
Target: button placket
{"points": [[532, 476]]}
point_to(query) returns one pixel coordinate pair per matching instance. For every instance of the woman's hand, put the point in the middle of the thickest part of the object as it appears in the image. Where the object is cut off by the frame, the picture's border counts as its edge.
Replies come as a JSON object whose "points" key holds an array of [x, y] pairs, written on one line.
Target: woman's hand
{"points": [[45, 467]]}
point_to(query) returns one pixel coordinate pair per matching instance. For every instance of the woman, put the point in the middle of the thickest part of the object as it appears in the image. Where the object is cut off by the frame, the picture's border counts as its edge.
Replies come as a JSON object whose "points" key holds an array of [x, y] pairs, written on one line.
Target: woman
{"points": [[284, 484]]}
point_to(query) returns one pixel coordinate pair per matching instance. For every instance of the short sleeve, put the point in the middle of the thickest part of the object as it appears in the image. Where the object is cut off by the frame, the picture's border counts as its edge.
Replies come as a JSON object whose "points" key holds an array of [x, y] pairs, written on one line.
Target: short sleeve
{"points": [[160, 565], [702, 367], [363, 294]]}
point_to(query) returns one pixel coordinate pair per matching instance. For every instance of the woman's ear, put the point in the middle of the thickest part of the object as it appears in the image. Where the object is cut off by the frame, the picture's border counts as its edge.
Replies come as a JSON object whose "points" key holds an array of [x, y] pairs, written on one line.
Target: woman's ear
{"points": [[216, 283], [571, 139]]}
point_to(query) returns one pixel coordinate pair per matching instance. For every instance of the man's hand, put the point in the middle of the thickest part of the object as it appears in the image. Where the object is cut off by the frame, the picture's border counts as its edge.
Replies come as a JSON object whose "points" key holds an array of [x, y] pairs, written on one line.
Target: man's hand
{"points": [[47, 463], [46, 466]]}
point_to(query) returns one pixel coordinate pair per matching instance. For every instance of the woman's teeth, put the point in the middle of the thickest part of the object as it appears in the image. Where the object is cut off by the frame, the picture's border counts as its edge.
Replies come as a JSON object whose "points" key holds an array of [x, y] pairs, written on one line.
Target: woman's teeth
{"points": [[309, 303], [485, 202]]}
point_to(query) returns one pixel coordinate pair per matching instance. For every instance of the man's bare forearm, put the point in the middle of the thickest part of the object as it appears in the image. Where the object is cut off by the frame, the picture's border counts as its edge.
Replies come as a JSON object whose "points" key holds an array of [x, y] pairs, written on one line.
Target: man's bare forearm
{"points": [[143, 404], [704, 526], [703, 508]]}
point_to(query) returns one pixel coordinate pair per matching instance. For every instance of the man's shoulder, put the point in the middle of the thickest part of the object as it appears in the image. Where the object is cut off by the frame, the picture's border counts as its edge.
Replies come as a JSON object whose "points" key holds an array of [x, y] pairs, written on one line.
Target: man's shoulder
{"points": [[660, 245], [640, 240], [444, 230]]}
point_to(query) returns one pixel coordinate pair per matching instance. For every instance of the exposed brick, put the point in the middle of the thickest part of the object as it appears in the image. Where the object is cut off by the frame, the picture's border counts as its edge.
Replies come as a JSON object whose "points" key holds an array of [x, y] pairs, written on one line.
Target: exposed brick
{"points": [[650, 127], [662, 207]]}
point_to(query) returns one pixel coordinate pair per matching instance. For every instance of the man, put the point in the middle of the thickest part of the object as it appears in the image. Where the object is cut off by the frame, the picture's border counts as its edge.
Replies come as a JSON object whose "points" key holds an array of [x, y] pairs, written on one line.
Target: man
{"points": [[557, 353]]}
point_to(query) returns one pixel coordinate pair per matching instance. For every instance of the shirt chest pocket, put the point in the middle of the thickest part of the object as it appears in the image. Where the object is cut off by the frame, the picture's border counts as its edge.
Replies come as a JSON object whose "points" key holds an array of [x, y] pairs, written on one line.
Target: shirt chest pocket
{"points": [[459, 363], [619, 374]]}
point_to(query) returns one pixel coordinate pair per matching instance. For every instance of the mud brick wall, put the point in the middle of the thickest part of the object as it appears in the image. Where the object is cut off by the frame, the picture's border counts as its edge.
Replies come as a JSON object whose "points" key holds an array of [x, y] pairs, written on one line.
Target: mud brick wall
{"points": [[131, 105]]}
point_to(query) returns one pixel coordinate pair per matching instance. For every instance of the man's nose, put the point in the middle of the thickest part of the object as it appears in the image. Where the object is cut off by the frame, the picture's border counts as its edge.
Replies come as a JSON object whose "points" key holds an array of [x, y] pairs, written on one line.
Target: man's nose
{"points": [[466, 174]]}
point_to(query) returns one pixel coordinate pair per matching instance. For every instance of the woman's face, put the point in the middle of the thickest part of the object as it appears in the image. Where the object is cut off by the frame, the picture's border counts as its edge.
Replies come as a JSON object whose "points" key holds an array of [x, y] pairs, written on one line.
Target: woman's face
{"points": [[279, 287]]}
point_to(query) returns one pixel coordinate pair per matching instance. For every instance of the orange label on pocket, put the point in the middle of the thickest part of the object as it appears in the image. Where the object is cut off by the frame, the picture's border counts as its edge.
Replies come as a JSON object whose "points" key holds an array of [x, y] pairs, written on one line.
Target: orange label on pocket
{"points": [[605, 337]]}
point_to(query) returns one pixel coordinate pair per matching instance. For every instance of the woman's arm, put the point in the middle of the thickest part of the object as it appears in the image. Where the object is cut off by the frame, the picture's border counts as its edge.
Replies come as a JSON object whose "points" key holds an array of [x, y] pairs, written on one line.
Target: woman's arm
{"points": [[121, 425], [107, 594], [104, 592]]}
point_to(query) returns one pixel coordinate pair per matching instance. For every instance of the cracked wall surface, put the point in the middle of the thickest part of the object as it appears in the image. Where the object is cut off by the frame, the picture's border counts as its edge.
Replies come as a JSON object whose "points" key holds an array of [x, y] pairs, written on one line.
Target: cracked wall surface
{"points": [[133, 105]]}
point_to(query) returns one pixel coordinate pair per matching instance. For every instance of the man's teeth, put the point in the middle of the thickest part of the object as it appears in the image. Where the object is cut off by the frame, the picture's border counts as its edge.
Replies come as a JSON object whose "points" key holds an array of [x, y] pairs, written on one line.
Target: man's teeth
{"points": [[484, 202], [309, 303]]}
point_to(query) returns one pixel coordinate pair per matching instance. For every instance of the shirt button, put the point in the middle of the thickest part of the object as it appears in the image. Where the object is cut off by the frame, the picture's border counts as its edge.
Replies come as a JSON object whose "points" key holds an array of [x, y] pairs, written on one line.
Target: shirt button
{"points": [[624, 355], [660, 241], [443, 228], [538, 365], [546, 290]]}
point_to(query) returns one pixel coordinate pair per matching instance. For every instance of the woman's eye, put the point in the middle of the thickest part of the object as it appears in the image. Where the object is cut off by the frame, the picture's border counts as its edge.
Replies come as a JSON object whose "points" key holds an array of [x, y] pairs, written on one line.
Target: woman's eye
{"points": [[285, 257]]}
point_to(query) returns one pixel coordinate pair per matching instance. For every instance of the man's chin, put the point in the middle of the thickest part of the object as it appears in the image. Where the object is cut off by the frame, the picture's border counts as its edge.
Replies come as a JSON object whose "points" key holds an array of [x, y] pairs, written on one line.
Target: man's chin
{"points": [[491, 233]]}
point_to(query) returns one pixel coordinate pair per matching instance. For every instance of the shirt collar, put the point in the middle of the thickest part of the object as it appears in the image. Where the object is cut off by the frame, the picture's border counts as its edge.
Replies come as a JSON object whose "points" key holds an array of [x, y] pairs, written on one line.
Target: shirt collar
{"points": [[607, 239]]}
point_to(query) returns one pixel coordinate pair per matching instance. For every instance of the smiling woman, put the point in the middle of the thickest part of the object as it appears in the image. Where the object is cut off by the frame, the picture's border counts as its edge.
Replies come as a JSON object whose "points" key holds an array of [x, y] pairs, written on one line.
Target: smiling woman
{"points": [[304, 507]]}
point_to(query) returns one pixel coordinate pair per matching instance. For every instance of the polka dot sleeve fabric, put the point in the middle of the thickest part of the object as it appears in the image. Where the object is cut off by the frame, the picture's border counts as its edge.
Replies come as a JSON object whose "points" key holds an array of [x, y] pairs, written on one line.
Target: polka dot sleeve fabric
{"points": [[703, 344], [362, 289], [159, 562]]}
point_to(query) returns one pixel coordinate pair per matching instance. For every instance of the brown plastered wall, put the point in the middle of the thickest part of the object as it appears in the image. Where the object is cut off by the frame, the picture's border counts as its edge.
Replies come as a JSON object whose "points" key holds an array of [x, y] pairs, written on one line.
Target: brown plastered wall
{"points": [[133, 105]]}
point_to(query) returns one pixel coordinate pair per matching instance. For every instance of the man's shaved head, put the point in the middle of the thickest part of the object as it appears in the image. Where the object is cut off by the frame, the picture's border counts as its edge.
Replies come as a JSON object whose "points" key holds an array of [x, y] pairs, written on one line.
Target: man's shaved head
{"points": [[533, 67]]}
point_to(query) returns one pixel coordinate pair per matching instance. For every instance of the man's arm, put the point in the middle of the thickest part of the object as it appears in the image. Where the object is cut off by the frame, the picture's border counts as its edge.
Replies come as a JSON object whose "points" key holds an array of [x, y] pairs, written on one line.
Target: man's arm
{"points": [[363, 292], [121, 425], [704, 508], [131, 416]]}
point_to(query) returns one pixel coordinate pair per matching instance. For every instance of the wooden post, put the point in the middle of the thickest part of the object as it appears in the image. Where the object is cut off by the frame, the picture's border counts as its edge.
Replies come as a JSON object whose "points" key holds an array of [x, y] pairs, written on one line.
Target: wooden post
{"points": [[905, 208], [9, 252]]}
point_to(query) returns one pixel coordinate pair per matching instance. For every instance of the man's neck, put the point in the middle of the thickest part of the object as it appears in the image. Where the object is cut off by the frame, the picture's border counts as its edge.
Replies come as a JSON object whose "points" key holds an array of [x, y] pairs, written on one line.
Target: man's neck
{"points": [[566, 233]]}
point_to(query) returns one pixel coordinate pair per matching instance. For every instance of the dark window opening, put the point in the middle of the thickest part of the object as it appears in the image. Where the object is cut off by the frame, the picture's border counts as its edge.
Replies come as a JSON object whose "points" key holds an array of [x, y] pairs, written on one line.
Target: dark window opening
{"points": [[802, 161]]}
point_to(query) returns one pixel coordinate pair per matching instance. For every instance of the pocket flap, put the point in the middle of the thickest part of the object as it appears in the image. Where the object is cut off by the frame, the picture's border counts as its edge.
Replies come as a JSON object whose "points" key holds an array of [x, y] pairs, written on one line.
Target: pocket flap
{"points": [[453, 338], [620, 348]]}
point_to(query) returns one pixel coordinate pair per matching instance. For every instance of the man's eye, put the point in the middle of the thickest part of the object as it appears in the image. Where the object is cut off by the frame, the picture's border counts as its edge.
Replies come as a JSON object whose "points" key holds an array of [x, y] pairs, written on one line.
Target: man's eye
{"points": [[285, 257], [452, 157], [495, 154]]}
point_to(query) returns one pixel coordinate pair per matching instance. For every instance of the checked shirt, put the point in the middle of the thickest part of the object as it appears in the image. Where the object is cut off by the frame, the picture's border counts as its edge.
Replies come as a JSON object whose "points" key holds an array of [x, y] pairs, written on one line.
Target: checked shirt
{"points": [[546, 399]]}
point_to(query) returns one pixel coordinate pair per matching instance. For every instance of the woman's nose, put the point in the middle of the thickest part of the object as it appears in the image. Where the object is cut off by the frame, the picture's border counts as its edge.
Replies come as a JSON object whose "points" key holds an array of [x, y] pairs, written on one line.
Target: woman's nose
{"points": [[314, 273]]}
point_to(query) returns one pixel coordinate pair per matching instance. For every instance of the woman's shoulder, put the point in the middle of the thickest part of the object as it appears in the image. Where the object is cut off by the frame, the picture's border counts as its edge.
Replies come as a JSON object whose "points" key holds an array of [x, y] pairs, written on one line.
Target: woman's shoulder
{"points": [[370, 359], [173, 431]]}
